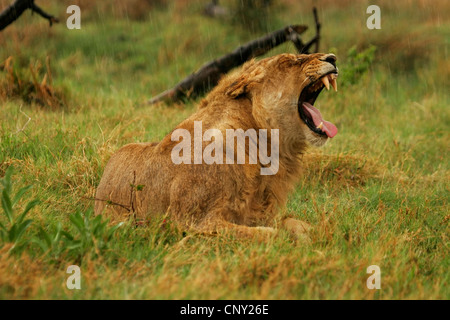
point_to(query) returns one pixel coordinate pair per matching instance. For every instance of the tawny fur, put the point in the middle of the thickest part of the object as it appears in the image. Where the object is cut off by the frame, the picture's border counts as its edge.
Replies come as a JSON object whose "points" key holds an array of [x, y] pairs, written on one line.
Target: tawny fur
{"points": [[235, 197]]}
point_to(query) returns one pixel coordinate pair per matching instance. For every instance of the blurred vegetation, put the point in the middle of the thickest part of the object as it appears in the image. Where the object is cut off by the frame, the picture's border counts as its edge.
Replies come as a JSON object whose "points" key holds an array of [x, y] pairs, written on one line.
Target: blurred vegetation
{"points": [[376, 194], [357, 64], [254, 15]]}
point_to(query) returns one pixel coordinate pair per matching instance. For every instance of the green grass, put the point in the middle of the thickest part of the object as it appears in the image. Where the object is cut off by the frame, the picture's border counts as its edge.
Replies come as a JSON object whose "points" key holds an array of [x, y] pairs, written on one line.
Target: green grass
{"points": [[377, 194]]}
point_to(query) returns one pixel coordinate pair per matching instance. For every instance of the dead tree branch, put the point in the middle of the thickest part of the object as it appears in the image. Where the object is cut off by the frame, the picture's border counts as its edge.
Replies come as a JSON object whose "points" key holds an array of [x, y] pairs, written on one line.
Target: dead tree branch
{"points": [[15, 10], [208, 76], [316, 38]]}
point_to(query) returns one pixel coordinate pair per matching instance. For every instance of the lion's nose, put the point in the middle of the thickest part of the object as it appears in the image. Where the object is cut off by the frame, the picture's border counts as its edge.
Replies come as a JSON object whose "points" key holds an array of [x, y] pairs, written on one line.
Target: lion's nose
{"points": [[330, 58]]}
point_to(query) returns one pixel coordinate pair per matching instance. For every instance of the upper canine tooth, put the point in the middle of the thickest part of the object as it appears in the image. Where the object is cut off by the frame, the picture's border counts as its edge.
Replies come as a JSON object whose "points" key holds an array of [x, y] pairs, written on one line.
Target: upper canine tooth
{"points": [[334, 84], [326, 82]]}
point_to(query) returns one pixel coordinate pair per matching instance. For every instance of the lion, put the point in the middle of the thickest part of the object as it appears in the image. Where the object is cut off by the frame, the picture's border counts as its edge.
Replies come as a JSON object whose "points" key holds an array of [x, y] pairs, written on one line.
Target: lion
{"points": [[276, 93]]}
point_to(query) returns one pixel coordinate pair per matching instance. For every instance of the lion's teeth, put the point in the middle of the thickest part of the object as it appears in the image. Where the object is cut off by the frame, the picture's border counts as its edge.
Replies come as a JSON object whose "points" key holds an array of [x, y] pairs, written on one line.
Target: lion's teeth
{"points": [[320, 126], [334, 84], [326, 82]]}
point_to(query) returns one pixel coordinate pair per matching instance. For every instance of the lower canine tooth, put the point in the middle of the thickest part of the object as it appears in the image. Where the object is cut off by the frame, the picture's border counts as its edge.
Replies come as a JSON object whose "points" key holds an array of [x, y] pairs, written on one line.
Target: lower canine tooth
{"points": [[334, 84], [320, 126], [326, 82]]}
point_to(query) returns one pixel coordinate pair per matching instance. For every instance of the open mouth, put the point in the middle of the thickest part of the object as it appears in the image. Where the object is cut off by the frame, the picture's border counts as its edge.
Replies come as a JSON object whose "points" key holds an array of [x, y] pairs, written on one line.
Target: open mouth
{"points": [[309, 114]]}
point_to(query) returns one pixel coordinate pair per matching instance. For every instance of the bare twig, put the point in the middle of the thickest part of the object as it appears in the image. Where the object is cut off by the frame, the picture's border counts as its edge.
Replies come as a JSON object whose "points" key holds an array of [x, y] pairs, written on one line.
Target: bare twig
{"points": [[316, 38], [133, 186], [295, 38], [51, 19], [25, 125], [109, 202], [15, 10]]}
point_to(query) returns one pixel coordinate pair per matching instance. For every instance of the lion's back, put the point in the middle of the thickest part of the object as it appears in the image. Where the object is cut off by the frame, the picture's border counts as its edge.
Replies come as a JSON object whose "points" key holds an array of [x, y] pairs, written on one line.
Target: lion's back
{"points": [[119, 177]]}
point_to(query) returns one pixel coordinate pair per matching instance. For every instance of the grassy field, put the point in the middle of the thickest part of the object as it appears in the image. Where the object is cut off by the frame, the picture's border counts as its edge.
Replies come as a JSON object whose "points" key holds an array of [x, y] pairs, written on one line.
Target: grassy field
{"points": [[377, 194]]}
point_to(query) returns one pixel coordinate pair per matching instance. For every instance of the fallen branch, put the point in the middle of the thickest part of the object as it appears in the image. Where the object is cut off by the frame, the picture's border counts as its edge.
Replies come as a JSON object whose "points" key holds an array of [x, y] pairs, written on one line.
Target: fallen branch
{"points": [[316, 38], [208, 76], [15, 10]]}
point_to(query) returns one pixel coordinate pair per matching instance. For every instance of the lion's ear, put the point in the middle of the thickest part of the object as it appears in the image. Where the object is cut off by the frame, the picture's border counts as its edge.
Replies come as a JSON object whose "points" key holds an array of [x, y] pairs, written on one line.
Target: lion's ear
{"points": [[245, 82], [237, 88]]}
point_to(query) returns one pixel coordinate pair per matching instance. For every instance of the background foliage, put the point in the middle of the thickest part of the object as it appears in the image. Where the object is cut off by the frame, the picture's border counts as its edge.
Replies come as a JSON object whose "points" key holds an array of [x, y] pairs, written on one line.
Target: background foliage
{"points": [[376, 194]]}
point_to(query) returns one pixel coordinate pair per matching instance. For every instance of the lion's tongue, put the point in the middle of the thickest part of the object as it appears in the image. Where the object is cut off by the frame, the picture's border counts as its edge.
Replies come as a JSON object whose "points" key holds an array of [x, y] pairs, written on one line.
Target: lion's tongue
{"points": [[329, 128]]}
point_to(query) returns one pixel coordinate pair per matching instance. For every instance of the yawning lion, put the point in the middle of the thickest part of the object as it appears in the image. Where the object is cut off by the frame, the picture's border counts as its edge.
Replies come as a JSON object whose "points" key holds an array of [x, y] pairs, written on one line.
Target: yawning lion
{"points": [[276, 94]]}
